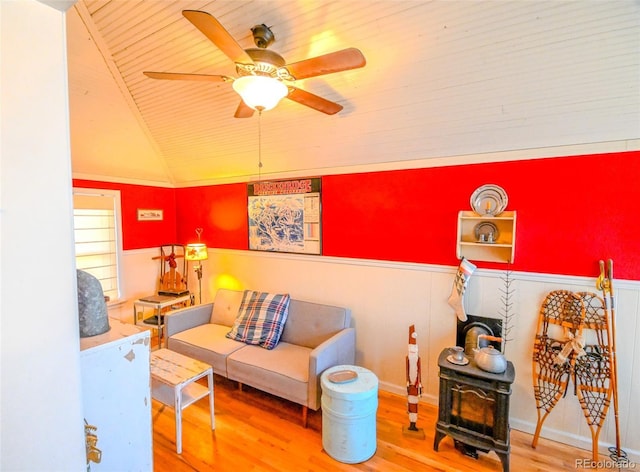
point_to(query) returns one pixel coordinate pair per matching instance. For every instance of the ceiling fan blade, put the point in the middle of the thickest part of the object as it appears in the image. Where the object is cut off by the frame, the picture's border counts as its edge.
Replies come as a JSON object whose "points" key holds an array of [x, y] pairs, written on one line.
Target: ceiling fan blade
{"points": [[218, 35], [243, 111], [180, 76], [313, 101], [338, 61]]}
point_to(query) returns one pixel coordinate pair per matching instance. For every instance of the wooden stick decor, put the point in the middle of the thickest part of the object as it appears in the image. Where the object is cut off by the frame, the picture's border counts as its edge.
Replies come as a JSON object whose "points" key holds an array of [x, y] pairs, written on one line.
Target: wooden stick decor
{"points": [[605, 283]]}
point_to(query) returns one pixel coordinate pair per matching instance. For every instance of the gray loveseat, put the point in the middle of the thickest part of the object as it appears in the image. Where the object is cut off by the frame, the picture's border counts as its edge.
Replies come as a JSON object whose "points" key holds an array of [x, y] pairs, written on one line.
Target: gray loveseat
{"points": [[315, 337]]}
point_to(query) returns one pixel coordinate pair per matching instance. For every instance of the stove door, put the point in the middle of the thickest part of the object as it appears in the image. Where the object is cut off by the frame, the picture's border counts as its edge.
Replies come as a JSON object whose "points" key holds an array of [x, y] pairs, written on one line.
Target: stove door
{"points": [[473, 409]]}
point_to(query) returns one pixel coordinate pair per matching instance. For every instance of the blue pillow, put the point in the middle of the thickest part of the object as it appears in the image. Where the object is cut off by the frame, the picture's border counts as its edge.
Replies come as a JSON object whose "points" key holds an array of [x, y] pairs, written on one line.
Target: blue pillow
{"points": [[261, 318]]}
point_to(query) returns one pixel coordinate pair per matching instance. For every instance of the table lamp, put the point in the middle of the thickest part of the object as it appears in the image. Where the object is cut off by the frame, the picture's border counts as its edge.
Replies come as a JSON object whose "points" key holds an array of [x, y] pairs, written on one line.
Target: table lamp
{"points": [[197, 252]]}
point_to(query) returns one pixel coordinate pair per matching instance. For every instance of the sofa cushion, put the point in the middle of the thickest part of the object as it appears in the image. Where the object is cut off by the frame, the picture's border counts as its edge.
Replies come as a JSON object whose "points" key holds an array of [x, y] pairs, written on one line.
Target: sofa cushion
{"points": [[310, 324], [282, 371], [261, 318], [225, 306], [206, 343]]}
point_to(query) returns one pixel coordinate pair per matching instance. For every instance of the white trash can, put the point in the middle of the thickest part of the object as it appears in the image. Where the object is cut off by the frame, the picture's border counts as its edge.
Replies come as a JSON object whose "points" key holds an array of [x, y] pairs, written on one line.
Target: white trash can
{"points": [[349, 407]]}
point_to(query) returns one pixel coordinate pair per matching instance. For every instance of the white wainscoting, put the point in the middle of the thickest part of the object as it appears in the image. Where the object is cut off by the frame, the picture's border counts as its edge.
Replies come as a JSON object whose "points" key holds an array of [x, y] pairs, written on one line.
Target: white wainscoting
{"points": [[386, 297]]}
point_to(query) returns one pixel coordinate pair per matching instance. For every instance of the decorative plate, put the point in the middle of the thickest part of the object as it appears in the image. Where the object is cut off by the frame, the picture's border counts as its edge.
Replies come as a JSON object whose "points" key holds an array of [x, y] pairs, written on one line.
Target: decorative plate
{"points": [[486, 232], [489, 200], [342, 376], [464, 361]]}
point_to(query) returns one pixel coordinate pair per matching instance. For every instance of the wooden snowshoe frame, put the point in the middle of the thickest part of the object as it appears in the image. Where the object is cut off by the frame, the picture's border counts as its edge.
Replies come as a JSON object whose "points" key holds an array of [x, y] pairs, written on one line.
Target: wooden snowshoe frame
{"points": [[574, 324]]}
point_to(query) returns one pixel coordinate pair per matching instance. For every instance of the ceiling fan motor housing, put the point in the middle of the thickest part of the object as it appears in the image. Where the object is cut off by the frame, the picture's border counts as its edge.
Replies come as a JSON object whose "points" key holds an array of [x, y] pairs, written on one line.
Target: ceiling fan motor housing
{"points": [[265, 62], [262, 36]]}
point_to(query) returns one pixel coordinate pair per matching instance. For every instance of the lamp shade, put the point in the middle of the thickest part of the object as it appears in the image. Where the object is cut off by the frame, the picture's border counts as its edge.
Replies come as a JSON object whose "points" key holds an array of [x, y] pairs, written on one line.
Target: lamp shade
{"points": [[260, 92], [196, 252]]}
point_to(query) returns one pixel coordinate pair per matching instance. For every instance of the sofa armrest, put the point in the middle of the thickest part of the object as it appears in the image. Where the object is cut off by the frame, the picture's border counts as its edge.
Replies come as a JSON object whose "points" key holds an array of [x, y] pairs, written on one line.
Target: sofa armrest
{"points": [[339, 349], [187, 318]]}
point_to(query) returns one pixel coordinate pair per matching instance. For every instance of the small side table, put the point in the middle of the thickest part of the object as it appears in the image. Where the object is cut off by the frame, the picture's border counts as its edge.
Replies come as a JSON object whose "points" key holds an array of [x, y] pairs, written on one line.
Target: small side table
{"points": [[173, 383], [473, 408], [349, 413], [158, 303]]}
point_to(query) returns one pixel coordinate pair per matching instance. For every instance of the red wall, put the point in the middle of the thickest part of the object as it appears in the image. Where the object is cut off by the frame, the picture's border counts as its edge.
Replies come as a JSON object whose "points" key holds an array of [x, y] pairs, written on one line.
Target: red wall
{"points": [[221, 212], [572, 211], [142, 234]]}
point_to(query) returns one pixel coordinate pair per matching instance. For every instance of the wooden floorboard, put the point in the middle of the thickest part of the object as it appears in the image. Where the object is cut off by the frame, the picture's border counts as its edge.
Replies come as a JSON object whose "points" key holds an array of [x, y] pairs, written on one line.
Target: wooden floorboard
{"points": [[259, 432]]}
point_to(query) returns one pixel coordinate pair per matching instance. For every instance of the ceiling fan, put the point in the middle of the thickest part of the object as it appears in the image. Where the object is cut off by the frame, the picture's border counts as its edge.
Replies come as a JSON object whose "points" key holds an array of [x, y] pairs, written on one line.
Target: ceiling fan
{"points": [[266, 64]]}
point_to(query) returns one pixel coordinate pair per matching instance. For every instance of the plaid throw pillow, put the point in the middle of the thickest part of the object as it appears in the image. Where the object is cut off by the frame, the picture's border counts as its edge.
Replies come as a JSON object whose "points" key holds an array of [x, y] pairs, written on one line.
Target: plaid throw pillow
{"points": [[260, 319]]}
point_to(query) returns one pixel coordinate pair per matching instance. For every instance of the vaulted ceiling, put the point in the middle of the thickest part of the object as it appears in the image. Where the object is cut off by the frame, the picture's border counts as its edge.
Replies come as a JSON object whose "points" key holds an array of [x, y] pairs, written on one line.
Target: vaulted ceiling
{"points": [[443, 78], [184, 132]]}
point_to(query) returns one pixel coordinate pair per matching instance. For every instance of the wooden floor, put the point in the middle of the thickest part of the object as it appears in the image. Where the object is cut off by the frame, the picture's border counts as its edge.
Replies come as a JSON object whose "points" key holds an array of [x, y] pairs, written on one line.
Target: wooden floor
{"points": [[258, 432]]}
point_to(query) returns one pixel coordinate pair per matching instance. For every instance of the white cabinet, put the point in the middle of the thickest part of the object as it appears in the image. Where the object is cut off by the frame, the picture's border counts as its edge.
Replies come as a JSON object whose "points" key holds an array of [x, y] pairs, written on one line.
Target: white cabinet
{"points": [[485, 237], [116, 396]]}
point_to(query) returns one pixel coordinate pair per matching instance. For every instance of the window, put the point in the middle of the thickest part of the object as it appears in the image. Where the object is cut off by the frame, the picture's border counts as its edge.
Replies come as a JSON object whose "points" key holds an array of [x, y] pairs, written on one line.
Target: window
{"points": [[96, 220]]}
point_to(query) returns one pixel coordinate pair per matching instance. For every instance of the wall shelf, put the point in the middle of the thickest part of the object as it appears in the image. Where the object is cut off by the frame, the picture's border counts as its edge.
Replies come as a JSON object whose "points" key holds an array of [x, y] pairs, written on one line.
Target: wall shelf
{"points": [[502, 249]]}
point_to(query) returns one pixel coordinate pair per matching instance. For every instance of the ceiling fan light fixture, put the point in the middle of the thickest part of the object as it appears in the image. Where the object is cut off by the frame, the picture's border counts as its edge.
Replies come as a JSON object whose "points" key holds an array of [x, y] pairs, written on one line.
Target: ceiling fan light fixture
{"points": [[260, 92], [259, 68]]}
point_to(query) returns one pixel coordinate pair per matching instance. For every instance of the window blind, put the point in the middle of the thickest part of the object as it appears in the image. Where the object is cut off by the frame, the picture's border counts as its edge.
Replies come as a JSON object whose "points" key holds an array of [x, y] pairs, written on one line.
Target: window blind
{"points": [[96, 232]]}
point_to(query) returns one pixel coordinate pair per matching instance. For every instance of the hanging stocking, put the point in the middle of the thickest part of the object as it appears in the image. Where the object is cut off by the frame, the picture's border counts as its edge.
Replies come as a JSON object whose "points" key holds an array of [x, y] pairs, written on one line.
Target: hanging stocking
{"points": [[456, 299]]}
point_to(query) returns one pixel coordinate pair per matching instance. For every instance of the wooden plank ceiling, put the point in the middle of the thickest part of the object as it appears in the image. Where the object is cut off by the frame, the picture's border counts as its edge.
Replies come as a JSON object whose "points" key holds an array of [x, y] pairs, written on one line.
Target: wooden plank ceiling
{"points": [[426, 62]]}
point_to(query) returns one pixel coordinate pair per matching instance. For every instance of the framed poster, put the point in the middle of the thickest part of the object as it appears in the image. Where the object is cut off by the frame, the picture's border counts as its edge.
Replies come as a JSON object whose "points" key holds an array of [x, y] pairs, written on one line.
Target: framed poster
{"points": [[285, 216]]}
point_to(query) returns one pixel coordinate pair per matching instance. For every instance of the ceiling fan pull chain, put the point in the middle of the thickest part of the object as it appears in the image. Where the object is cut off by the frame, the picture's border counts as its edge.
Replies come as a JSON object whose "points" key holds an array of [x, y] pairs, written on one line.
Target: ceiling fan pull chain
{"points": [[259, 144]]}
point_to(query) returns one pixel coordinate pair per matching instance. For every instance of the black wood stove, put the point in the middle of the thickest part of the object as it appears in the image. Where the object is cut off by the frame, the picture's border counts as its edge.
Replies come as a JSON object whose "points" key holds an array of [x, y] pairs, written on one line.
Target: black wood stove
{"points": [[474, 408]]}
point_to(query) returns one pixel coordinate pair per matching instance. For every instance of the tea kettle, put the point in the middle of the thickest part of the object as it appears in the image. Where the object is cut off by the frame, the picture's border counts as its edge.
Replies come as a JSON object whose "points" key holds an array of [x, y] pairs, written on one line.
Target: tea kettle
{"points": [[489, 358]]}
